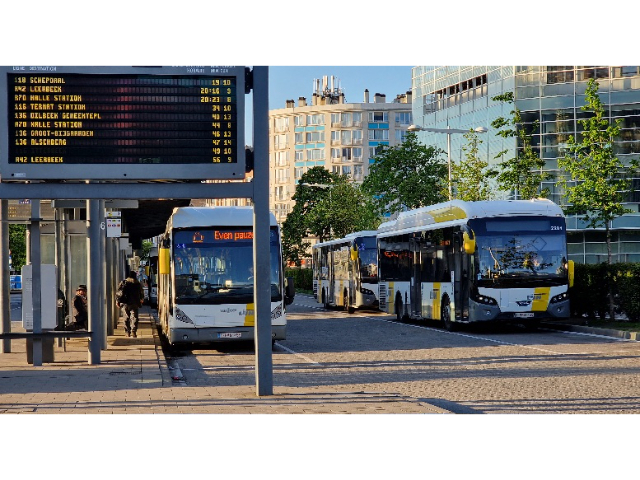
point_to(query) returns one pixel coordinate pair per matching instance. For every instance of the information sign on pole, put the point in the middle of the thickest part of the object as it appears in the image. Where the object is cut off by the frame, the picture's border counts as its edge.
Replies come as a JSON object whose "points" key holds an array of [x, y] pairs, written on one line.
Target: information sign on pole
{"points": [[115, 123]]}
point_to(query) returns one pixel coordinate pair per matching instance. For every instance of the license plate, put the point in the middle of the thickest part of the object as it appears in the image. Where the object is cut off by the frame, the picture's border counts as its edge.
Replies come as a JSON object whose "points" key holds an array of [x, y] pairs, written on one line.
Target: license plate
{"points": [[523, 315], [230, 335]]}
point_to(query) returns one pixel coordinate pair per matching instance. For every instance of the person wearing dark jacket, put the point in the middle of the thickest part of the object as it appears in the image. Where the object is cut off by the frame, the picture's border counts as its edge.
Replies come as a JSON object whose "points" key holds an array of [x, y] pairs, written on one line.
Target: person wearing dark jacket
{"points": [[132, 300], [80, 312]]}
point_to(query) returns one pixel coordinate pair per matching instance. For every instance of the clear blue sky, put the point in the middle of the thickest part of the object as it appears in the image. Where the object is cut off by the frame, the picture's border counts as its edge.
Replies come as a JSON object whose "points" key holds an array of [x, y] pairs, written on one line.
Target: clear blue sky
{"points": [[290, 83]]}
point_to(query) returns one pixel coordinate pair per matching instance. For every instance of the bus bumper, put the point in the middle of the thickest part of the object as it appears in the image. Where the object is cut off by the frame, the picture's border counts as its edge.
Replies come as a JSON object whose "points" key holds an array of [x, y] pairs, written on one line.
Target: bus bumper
{"points": [[219, 334], [488, 313]]}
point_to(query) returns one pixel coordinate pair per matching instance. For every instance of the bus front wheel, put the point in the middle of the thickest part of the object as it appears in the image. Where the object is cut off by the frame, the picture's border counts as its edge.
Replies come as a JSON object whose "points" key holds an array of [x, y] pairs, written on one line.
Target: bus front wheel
{"points": [[445, 315]]}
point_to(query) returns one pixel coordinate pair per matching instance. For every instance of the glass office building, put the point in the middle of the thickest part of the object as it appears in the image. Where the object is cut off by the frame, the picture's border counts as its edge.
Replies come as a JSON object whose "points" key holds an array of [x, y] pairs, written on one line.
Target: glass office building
{"points": [[460, 97]]}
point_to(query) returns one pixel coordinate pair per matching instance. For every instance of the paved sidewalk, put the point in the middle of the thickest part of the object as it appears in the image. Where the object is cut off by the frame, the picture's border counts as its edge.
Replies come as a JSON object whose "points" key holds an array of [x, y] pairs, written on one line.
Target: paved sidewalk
{"points": [[133, 377]]}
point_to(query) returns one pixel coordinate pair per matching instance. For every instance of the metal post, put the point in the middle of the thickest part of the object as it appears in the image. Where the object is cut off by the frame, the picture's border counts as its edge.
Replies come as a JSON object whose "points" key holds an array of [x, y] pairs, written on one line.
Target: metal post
{"points": [[103, 274], [36, 284], [261, 242], [449, 160], [5, 287], [93, 283]]}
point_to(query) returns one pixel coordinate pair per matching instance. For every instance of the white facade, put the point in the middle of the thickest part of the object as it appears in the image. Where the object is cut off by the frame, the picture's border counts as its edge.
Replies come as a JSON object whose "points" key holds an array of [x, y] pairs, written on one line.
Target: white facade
{"points": [[341, 137]]}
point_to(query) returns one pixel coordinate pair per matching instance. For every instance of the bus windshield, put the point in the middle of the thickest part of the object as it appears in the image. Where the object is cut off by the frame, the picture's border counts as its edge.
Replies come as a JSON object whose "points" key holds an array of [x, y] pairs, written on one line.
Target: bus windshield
{"points": [[520, 248], [368, 257], [215, 265]]}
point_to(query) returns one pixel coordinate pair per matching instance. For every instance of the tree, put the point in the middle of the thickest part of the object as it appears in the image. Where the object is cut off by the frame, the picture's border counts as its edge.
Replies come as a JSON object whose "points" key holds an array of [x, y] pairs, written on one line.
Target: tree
{"points": [[471, 177], [327, 206], [407, 176], [18, 246], [294, 228], [345, 209], [597, 183], [523, 173]]}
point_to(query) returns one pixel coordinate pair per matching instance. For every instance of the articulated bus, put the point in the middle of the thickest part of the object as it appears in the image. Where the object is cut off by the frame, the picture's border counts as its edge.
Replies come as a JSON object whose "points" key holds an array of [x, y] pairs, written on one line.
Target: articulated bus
{"points": [[466, 262], [345, 271], [205, 281]]}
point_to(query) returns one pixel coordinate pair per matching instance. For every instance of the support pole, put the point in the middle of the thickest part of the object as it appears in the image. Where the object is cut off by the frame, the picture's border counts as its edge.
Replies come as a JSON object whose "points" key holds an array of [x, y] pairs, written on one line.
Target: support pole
{"points": [[93, 283], [261, 242], [5, 282], [36, 284]]}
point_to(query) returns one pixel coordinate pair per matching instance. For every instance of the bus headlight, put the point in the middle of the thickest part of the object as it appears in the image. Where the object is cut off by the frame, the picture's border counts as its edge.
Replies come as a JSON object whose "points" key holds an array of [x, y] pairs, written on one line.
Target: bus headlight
{"points": [[560, 298], [366, 291], [485, 300]]}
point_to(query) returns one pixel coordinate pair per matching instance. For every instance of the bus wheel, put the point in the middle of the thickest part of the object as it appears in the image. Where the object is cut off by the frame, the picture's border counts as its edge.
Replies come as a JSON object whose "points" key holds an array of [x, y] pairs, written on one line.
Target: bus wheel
{"points": [[445, 315], [347, 304]]}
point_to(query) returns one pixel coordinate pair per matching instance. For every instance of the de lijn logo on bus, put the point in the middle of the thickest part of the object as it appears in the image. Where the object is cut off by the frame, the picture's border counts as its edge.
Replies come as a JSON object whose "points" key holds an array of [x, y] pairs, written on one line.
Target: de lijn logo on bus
{"points": [[530, 298]]}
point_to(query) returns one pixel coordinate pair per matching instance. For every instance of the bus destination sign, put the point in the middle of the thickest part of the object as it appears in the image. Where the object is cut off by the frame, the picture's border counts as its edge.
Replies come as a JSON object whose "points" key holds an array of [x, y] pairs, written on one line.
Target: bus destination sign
{"points": [[136, 123]]}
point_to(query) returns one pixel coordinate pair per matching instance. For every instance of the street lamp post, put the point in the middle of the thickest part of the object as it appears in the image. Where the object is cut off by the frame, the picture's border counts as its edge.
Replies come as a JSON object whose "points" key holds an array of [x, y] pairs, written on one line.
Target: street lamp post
{"points": [[448, 131]]}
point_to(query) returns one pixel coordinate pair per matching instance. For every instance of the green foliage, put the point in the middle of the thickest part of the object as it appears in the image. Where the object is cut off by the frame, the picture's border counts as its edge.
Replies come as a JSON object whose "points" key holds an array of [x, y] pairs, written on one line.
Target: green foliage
{"points": [[18, 246], [409, 175], [330, 211], [588, 296], [302, 278], [146, 249], [471, 176], [523, 173], [590, 292], [597, 185]]}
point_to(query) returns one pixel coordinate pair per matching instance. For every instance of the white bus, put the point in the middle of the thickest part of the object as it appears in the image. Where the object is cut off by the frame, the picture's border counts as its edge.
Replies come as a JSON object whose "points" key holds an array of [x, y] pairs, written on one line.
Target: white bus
{"points": [[345, 271], [205, 281], [465, 262]]}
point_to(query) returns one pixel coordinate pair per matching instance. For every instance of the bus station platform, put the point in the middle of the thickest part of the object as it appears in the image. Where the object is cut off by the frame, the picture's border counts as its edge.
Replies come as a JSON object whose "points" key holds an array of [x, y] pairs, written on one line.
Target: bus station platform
{"points": [[133, 378]]}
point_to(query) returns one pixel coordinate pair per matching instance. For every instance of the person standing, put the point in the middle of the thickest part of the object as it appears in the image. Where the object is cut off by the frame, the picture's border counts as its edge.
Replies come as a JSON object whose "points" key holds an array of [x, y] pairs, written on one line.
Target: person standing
{"points": [[132, 298], [80, 312]]}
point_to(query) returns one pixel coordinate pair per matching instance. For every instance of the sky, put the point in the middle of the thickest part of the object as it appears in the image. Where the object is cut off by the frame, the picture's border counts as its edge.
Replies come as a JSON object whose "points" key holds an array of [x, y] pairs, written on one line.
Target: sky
{"points": [[292, 82]]}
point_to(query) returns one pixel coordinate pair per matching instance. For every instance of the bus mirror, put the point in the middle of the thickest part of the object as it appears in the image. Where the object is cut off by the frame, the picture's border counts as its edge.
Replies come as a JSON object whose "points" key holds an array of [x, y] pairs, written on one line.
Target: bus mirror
{"points": [[469, 243], [570, 271], [289, 291], [163, 261]]}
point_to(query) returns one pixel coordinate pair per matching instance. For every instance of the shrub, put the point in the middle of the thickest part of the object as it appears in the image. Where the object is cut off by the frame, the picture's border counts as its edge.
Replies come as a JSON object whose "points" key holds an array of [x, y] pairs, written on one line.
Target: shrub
{"points": [[302, 278]]}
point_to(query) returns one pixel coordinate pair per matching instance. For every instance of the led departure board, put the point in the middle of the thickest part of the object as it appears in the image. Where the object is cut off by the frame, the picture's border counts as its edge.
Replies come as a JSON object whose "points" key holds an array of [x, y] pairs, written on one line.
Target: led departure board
{"points": [[128, 122]]}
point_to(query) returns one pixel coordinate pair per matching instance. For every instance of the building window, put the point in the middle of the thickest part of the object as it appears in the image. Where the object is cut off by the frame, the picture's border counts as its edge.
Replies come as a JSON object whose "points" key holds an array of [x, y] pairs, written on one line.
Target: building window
{"points": [[403, 118], [314, 137], [279, 141], [379, 134], [357, 119], [281, 158], [335, 119], [378, 117], [315, 154], [401, 135], [282, 124], [317, 119], [300, 156], [282, 175], [346, 170], [298, 172], [298, 121], [335, 170]]}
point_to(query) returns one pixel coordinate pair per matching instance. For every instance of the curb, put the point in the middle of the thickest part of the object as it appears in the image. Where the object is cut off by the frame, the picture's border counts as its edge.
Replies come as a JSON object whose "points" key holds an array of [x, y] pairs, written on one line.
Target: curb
{"points": [[605, 332]]}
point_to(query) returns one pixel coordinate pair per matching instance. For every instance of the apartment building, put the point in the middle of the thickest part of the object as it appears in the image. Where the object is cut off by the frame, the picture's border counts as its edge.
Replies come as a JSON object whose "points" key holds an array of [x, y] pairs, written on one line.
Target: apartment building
{"points": [[329, 132], [459, 97]]}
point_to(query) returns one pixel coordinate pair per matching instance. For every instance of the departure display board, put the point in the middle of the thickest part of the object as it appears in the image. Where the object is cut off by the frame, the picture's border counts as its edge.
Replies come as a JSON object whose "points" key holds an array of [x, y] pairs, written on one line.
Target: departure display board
{"points": [[185, 123]]}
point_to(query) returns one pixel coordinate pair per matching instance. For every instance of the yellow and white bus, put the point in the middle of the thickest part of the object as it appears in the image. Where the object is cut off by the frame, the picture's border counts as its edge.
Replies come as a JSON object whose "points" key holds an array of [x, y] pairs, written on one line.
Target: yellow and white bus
{"points": [[345, 271], [205, 280], [465, 262]]}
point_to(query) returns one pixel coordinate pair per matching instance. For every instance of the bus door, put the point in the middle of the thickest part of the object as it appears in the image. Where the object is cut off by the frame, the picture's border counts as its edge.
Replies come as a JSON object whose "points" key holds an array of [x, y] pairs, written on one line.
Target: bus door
{"points": [[416, 280], [332, 277], [461, 277]]}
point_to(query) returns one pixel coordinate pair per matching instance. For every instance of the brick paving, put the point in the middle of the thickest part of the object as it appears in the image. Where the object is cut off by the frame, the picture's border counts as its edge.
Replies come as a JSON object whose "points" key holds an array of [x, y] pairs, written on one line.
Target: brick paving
{"points": [[133, 378]]}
